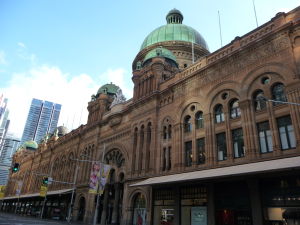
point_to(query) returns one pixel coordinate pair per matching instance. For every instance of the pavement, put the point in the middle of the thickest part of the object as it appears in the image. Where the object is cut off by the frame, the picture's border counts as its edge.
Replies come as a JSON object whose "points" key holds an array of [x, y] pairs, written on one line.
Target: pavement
{"points": [[12, 219]]}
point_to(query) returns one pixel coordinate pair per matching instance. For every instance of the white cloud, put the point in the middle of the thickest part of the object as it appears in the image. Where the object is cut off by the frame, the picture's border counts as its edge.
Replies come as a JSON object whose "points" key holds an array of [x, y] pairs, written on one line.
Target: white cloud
{"points": [[51, 84], [21, 44], [2, 58], [24, 54]]}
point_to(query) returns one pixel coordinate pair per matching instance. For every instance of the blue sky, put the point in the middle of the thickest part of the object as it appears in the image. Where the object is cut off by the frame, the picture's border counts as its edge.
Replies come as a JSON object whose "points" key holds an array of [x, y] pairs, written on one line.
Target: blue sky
{"points": [[64, 50]]}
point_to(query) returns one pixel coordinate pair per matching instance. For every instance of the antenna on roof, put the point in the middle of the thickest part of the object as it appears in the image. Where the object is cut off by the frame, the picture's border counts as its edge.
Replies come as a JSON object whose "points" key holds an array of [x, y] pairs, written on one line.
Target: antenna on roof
{"points": [[255, 13], [220, 28]]}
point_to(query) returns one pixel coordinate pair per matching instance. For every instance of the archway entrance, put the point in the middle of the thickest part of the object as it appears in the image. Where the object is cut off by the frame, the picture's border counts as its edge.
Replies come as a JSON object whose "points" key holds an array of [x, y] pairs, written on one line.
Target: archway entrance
{"points": [[81, 210], [139, 210]]}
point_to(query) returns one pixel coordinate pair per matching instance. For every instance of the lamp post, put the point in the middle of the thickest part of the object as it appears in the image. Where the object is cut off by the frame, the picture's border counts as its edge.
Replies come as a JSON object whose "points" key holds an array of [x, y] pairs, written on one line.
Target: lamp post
{"points": [[263, 98]]}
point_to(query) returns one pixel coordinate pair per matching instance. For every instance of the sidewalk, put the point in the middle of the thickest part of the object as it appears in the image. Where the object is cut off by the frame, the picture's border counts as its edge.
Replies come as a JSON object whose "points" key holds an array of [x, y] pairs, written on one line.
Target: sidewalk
{"points": [[12, 216]]}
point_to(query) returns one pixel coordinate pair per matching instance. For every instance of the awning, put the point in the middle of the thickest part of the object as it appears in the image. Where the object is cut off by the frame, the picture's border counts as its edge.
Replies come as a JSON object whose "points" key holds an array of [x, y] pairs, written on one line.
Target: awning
{"points": [[56, 192], [249, 168]]}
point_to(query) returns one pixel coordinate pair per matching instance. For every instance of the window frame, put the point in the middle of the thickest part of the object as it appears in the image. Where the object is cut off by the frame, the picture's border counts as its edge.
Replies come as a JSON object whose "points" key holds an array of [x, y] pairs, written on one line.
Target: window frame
{"points": [[285, 122], [219, 113], [264, 128], [221, 144], [237, 137]]}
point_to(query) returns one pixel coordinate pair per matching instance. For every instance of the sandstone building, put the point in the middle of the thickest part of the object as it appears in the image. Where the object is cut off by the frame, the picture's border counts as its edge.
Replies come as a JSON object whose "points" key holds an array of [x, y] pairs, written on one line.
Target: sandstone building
{"points": [[199, 142]]}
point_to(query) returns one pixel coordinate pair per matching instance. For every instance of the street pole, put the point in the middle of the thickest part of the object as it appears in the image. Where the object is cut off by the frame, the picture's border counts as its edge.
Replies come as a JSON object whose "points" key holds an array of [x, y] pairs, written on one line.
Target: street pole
{"points": [[45, 199], [276, 101], [74, 186], [98, 195], [20, 191]]}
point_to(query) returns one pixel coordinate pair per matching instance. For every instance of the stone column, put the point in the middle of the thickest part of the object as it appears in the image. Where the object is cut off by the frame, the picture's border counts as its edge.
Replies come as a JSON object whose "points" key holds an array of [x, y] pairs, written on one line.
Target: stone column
{"points": [[105, 202], [256, 207], [209, 140], [115, 214], [274, 130], [248, 133]]}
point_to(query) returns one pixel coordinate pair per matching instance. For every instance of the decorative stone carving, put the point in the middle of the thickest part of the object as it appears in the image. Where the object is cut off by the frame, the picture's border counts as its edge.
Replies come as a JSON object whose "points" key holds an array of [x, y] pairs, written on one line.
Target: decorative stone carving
{"points": [[119, 98], [115, 157]]}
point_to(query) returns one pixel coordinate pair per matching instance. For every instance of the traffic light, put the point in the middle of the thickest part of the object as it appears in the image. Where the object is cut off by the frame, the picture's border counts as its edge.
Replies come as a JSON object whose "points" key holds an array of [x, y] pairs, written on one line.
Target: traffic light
{"points": [[16, 167], [45, 181]]}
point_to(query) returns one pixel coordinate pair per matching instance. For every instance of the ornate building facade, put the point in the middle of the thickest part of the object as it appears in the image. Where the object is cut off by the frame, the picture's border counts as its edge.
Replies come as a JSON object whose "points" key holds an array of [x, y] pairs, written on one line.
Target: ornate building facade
{"points": [[205, 139]]}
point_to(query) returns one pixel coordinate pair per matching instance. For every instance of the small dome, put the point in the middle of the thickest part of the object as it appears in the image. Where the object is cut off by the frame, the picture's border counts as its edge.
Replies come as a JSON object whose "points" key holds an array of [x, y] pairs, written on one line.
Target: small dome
{"points": [[160, 52], [62, 130], [110, 89], [31, 145], [174, 30], [174, 16]]}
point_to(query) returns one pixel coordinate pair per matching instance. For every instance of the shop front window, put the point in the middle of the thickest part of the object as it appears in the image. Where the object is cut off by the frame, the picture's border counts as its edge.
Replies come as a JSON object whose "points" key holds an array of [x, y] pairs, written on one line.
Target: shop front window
{"points": [[281, 200], [164, 207], [286, 132], [193, 201], [265, 137], [139, 210], [238, 143]]}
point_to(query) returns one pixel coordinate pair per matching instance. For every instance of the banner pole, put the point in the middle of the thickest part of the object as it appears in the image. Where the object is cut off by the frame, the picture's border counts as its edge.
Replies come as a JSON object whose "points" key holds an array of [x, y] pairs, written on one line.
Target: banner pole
{"points": [[72, 196], [98, 195]]}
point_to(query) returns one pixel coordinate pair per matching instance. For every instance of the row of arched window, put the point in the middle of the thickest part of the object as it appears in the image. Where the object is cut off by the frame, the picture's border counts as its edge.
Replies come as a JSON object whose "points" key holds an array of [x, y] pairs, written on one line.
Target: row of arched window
{"points": [[259, 103]]}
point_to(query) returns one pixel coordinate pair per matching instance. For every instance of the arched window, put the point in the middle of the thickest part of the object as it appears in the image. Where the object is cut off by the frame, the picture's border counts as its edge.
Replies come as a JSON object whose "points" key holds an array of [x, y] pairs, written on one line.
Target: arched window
{"points": [[258, 100], [278, 93], [235, 110], [199, 120], [139, 210], [219, 115], [165, 134], [187, 124], [170, 131]]}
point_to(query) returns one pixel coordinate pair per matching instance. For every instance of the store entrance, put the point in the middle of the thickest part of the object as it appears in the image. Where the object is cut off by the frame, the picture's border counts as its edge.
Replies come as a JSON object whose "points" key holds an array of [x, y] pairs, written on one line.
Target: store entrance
{"points": [[232, 203]]}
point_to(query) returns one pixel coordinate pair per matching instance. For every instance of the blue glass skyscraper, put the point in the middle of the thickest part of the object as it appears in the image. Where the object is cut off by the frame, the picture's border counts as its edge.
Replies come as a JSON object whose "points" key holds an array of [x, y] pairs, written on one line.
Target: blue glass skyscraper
{"points": [[42, 119]]}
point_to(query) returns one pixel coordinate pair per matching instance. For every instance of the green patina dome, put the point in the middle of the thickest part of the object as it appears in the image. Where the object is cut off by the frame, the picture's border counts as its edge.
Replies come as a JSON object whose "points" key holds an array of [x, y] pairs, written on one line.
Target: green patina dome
{"points": [[174, 31], [160, 52], [30, 145], [110, 89]]}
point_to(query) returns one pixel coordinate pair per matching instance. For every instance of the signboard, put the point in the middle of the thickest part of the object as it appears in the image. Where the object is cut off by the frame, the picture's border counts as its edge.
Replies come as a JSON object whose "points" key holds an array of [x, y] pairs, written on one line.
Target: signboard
{"points": [[43, 191], [94, 177], [2, 191], [199, 215], [104, 177], [98, 177]]}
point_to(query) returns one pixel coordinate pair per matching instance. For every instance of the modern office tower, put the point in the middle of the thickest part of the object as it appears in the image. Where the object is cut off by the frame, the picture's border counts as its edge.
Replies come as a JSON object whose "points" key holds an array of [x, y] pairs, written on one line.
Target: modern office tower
{"points": [[9, 147], [42, 119], [4, 121]]}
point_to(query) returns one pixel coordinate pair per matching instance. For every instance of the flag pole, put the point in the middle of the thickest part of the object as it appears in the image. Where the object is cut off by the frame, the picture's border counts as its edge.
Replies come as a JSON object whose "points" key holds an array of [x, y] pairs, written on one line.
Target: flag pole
{"points": [[220, 28], [255, 12], [98, 195]]}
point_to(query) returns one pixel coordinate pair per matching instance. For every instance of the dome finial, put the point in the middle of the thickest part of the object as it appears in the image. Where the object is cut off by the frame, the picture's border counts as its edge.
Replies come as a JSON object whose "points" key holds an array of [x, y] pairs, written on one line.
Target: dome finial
{"points": [[174, 16]]}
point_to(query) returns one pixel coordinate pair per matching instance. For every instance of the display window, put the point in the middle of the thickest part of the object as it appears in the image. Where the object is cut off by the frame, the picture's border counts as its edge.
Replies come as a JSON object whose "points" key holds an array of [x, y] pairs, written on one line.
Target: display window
{"points": [[232, 204], [139, 210], [281, 200], [164, 207]]}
